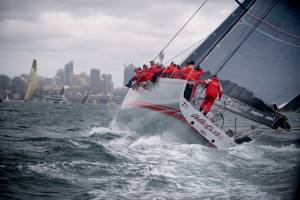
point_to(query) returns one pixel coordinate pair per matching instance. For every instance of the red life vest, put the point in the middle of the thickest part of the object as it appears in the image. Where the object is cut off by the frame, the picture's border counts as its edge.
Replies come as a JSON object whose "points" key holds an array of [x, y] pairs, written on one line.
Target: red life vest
{"points": [[195, 75], [137, 74], [175, 72], [168, 71], [213, 88], [185, 71], [153, 69], [146, 75]]}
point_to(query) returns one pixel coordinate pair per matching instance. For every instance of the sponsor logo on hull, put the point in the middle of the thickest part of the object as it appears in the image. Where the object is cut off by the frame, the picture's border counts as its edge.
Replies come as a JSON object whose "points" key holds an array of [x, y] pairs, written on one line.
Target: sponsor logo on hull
{"points": [[207, 126]]}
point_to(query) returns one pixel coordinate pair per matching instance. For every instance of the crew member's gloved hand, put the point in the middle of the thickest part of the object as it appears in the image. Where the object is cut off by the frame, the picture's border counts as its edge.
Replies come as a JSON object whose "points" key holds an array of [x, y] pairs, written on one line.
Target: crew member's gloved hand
{"points": [[129, 84]]}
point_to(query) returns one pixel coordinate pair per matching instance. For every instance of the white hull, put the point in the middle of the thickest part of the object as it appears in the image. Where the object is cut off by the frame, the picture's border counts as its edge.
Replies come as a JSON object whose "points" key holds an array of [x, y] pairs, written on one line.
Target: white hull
{"points": [[56, 99], [167, 98]]}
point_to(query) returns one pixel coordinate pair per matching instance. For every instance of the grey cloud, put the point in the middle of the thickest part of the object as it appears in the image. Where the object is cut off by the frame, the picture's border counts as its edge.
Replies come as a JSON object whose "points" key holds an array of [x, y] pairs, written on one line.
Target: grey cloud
{"points": [[98, 32]]}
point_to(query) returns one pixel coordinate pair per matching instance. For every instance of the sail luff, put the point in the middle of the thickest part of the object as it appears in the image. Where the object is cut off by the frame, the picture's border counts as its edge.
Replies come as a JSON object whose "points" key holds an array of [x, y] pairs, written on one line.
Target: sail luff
{"points": [[248, 53], [214, 39], [238, 46], [32, 82], [267, 51]]}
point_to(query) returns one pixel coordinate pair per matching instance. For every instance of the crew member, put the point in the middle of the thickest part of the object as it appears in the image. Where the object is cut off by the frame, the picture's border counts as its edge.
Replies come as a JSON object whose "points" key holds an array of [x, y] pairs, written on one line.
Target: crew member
{"points": [[175, 71], [137, 75], [195, 74], [213, 90], [146, 75], [186, 70], [193, 79], [168, 71], [153, 67], [138, 72]]}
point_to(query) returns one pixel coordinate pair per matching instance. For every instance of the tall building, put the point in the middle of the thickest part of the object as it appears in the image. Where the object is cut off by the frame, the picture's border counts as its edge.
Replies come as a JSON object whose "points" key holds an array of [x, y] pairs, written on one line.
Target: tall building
{"points": [[68, 73], [77, 81], [18, 86], [59, 77], [5, 82], [107, 85], [95, 80], [84, 78], [128, 73]]}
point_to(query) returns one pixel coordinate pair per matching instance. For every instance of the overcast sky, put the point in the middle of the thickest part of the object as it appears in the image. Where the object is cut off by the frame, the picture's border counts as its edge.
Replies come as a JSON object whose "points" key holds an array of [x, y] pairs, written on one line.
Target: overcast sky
{"points": [[104, 34]]}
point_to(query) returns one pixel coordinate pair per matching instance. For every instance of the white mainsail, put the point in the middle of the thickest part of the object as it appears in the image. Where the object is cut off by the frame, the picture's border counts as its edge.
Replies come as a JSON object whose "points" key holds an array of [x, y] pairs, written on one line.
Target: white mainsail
{"points": [[32, 82]]}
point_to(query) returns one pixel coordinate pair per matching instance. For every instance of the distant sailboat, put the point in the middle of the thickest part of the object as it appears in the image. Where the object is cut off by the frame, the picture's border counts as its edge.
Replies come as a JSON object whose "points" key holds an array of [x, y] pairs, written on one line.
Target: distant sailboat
{"points": [[32, 82], [85, 98], [58, 98], [7, 98]]}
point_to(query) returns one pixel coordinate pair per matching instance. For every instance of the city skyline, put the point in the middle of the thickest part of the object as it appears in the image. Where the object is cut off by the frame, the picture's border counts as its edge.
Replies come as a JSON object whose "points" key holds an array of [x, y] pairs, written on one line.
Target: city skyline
{"points": [[76, 86], [101, 34], [64, 80]]}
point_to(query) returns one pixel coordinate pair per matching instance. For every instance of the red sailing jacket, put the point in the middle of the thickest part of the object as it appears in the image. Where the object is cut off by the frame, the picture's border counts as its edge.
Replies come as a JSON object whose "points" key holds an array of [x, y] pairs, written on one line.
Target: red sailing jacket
{"points": [[153, 69], [137, 74], [146, 75], [175, 72], [185, 71], [160, 70], [195, 75], [213, 88], [168, 71]]}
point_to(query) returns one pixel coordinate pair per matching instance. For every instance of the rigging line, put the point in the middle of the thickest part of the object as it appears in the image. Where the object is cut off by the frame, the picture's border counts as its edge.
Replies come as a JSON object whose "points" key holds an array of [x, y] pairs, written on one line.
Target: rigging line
{"points": [[266, 128], [181, 28], [272, 26], [245, 38], [240, 4], [271, 36], [182, 52], [230, 23]]}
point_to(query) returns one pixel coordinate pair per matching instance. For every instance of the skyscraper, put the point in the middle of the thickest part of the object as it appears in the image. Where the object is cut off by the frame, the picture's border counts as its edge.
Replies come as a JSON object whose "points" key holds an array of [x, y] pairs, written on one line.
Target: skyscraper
{"points": [[95, 80], [107, 85], [68, 73], [128, 73], [59, 77]]}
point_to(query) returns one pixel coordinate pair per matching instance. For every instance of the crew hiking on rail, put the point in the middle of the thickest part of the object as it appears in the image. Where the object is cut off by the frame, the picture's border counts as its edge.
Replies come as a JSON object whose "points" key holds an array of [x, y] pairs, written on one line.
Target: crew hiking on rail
{"points": [[189, 72]]}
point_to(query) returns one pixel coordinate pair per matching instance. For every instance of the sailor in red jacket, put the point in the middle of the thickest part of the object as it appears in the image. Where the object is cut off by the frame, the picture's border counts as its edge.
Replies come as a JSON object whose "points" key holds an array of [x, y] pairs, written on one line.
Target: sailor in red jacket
{"points": [[168, 71], [175, 71], [195, 74], [153, 67], [213, 90], [138, 72], [145, 76], [137, 75], [187, 69]]}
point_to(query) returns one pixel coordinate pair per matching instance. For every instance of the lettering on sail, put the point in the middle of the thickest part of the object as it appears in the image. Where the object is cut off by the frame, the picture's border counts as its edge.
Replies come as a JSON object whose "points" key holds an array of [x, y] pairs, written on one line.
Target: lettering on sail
{"points": [[207, 126]]}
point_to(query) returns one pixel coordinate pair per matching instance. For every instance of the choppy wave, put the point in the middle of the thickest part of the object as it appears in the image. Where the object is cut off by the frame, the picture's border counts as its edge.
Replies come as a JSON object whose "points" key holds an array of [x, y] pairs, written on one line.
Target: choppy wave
{"points": [[88, 157]]}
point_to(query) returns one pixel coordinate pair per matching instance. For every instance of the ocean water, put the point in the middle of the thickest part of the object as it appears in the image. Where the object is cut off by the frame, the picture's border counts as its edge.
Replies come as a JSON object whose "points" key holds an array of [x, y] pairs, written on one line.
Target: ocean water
{"points": [[75, 151]]}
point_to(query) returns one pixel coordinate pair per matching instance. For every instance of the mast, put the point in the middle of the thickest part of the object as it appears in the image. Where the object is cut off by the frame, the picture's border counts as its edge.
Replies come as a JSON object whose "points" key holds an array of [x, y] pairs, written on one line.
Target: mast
{"points": [[213, 40]]}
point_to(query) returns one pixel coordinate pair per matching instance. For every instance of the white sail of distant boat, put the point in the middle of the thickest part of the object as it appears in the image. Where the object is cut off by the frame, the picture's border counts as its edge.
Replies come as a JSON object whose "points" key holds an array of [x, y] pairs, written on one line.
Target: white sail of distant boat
{"points": [[57, 98], [7, 98], [32, 82]]}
